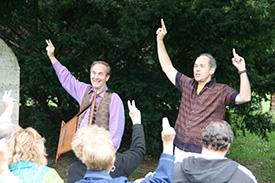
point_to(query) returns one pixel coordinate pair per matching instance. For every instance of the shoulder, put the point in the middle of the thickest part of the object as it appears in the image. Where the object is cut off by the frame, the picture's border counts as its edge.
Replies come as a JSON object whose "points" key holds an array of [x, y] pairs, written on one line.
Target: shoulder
{"points": [[52, 175], [247, 172], [114, 95], [183, 80]]}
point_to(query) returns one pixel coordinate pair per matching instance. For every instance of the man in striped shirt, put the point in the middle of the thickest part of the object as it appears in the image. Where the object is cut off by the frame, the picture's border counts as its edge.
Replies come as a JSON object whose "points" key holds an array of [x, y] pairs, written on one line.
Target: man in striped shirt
{"points": [[203, 100]]}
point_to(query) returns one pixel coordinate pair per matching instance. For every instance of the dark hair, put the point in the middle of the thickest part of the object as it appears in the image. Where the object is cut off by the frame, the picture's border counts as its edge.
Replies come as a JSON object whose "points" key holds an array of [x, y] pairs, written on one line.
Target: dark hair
{"points": [[217, 135], [108, 68]]}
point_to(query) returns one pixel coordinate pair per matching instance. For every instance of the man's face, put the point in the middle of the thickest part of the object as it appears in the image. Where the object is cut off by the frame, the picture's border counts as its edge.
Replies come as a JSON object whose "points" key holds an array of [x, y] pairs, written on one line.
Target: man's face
{"points": [[99, 76], [202, 73]]}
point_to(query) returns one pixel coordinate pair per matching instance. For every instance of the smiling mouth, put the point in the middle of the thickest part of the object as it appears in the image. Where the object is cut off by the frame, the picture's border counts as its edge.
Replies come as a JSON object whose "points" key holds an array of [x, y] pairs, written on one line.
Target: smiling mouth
{"points": [[96, 81]]}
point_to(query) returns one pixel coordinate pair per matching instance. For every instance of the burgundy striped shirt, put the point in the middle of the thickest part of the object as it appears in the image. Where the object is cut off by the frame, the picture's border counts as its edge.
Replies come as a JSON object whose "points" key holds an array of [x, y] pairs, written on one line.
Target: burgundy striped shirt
{"points": [[198, 110]]}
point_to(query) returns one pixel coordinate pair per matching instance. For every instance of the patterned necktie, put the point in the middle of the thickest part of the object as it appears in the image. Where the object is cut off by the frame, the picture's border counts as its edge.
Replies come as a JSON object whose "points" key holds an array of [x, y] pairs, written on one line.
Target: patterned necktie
{"points": [[92, 109]]}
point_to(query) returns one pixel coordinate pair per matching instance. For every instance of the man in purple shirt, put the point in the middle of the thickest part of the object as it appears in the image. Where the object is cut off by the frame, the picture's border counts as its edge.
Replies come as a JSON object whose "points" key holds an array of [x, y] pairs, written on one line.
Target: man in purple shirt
{"points": [[112, 116], [203, 100]]}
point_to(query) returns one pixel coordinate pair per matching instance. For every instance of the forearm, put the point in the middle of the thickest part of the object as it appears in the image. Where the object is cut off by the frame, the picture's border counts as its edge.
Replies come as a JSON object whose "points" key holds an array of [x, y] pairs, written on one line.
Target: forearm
{"points": [[245, 90], [6, 115], [168, 148], [165, 61], [133, 156], [138, 139], [74, 87], [127, 162], [53, 59]]}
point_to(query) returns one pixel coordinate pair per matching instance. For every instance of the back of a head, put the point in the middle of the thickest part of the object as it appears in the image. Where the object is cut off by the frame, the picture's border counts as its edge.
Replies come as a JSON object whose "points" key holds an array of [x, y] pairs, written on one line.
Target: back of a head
{"points": [[94, 146], [7, 130], [27, 145], [217, 135]]}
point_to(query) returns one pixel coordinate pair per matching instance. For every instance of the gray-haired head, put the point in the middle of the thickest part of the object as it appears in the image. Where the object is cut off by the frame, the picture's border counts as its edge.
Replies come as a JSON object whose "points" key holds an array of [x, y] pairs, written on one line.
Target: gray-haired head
{"points": [[217, 135], [212, 60]]}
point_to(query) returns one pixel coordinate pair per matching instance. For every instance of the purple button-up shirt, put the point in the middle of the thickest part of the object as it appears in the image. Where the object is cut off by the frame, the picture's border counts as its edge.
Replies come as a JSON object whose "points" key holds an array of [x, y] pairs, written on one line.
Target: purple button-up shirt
{"points": [[77, 90]]}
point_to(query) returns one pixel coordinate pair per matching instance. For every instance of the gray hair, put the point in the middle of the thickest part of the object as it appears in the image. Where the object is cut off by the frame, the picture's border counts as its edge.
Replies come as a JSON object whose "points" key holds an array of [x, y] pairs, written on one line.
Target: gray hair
{"points": [[212, 60], [217, 135]]}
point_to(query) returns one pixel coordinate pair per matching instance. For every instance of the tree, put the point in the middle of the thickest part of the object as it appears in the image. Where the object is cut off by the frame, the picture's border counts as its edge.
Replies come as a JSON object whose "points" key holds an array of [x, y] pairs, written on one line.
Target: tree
{"points": [[123, 34]]}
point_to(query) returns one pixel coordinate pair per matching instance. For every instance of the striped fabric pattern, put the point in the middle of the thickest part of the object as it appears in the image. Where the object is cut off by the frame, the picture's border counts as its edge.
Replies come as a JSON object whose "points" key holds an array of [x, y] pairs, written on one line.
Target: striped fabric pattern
{"points": [[198, 110]]}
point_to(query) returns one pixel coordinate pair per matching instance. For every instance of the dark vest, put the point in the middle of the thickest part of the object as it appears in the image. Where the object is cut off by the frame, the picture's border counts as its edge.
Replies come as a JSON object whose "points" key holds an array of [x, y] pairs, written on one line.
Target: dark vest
{"points": [[101, 116]]}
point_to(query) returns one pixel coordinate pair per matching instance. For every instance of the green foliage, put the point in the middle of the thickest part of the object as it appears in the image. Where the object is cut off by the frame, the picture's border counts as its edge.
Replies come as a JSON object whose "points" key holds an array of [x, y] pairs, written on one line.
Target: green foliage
{"points": [[123, 34], [248, 117]]}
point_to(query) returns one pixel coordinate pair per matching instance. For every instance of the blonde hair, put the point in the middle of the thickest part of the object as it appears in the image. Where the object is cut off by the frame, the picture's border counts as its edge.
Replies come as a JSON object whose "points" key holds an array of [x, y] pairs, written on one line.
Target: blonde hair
{"points": [[93, 145], [27, 145]]}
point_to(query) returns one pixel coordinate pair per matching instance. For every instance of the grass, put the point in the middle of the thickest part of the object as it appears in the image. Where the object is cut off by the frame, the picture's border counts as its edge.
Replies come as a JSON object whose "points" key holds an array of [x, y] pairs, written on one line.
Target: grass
{"points": [[256, 154]]}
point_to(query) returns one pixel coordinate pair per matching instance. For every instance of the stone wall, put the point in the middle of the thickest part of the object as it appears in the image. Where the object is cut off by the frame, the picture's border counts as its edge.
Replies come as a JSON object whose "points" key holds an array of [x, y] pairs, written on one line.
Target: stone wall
{"points": [[9, 78]]}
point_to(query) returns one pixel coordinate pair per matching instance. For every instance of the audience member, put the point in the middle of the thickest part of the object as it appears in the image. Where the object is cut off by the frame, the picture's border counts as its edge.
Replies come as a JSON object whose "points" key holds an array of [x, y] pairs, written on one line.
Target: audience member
{"points": [[5, 175], [8, 102], [126, 162], [7, 129], [98, 154], [27, 158], [211, 166]]}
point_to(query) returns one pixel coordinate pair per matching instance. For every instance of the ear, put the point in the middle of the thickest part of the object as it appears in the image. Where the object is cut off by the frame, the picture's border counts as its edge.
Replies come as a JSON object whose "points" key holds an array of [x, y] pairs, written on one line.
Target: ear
{"points": [[108, 77], [212, 71], [228, 146], [113, 161]]}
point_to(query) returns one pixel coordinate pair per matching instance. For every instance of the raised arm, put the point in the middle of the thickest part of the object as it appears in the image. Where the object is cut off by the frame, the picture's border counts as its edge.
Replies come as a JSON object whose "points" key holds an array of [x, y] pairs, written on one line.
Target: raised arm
{"points": [[165, 169], [50, 51], [8, 102], [127, 162], [245, 90], [168, 134], [164, 59]]}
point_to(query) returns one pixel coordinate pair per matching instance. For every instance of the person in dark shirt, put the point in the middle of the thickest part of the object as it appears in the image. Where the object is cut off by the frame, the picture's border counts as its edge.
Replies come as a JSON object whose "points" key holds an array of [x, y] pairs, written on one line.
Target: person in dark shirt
{"points": [[94, 147], [126, 162]]}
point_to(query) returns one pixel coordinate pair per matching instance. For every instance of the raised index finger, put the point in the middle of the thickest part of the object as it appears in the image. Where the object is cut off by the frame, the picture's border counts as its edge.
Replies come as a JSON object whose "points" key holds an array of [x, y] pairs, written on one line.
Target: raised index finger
{"points": [[165, 123], [163, 25], [234, 52]]}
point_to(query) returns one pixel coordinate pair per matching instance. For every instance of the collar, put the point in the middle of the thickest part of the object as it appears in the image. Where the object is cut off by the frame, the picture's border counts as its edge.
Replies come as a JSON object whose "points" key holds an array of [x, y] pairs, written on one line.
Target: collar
{"points": [[208, 84], [208, 156], [103, 174], [100, 94], [21, 164]]}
